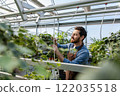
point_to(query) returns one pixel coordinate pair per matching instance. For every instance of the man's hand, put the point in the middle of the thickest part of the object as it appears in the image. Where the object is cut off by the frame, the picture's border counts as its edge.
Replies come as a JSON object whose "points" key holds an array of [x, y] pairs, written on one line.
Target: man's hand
{"points": [[54, 41], [60, 56], [55, 48]]}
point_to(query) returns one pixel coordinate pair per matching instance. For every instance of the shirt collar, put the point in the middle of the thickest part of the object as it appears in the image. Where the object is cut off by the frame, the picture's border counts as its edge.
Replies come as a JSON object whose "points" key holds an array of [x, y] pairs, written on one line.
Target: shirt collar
{"points": [[75, 47]]}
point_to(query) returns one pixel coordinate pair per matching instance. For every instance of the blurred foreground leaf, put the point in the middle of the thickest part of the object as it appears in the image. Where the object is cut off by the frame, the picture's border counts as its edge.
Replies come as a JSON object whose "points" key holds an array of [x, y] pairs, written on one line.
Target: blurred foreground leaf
{"points": [[8, 63], [24, 50], [110, 70], [42, 71]]}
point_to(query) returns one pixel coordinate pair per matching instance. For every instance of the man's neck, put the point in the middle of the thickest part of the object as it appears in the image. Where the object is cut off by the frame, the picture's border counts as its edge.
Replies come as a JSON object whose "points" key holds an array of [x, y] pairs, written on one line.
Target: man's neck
{"points": [[78, 44]]}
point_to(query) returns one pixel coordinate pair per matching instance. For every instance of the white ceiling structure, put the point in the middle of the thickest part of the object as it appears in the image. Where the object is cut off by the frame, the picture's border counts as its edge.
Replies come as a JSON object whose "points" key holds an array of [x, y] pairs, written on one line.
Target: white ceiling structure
{"points": [[65, 12]]}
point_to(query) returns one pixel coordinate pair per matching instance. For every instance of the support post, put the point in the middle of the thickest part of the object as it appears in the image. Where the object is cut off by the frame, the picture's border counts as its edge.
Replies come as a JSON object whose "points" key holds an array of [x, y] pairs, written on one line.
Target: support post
{"points": [[21, 10], [86, 29]]}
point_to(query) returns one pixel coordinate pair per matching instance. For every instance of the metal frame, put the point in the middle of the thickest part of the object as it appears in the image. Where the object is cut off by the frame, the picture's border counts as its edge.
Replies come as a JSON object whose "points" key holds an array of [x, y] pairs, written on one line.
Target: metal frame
{"points": [[21, 10], [95, 22], [64, 66], [61, 6], [73, 12], [85, 3], [80, 13], [17, 77], [9, 10], [36, 2], [78, 3]]}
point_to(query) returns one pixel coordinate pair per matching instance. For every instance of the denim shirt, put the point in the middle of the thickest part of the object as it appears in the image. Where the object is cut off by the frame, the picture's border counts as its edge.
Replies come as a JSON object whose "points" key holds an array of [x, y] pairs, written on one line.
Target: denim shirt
{"points": [[82, 55]]}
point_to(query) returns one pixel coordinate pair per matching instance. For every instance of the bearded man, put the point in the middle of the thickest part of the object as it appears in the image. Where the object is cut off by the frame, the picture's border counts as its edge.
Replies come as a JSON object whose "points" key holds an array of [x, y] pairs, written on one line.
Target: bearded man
{"points": [[81, 56]]}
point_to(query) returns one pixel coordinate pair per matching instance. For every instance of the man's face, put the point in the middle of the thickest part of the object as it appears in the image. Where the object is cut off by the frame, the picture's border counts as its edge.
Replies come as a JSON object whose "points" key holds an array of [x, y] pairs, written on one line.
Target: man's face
{"points": [[75, 38]]}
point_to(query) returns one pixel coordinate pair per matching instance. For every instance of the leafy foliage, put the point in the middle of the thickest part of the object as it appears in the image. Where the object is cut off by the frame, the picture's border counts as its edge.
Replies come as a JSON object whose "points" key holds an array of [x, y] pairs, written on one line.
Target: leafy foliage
{"points": [[12, 47], [47, 38], [108, 47], [62, 38], [9, 58], [110, 70]]}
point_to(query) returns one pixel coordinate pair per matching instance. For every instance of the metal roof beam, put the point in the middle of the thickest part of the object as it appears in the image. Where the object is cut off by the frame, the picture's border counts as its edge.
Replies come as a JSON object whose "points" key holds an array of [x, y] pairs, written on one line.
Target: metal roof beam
{"points": [[36, 2], [64, 19], [72, 12], [28, 6], [8, 4], [9, 10], [88, 4], [82, 14], [52, 7], [21, 10], [95, 22], [78, 3], [97, 9]]}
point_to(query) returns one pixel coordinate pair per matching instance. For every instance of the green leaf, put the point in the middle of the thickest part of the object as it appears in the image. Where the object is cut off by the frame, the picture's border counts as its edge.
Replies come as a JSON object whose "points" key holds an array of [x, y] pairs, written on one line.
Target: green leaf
{"points": [[44, 57], [58, 64], [23, 64], [42, 42], [39, 50], [24, 50], [50, 64], [2, 48], [23, 30], [9, 63], [41, 71], [3, 26], [50, 48], [34, 60], [21, 34]]}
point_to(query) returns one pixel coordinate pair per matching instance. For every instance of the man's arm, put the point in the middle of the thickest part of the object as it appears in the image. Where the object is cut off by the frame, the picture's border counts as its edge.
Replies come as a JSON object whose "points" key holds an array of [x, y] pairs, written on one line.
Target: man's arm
{"points": [[82, 56], [59, 45], [62, 45]]}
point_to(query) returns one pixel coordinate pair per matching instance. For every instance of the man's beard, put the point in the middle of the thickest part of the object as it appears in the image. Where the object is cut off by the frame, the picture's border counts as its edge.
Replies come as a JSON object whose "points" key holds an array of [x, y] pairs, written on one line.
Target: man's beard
{"points": [[75, 41]]}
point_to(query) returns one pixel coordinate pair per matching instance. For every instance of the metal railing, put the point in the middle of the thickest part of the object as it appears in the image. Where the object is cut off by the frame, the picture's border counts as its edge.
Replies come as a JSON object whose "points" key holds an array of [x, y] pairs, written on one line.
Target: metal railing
{"points": [[16, 77], [64, 66], [55, 70]]}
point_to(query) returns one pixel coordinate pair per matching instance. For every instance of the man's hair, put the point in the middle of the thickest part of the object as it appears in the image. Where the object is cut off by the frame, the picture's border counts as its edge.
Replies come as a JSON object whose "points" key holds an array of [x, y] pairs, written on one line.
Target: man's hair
{"points": [[82, 31]]}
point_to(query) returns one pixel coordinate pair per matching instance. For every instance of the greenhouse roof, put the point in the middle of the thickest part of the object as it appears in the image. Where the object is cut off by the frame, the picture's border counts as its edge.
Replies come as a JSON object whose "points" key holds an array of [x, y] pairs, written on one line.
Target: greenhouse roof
{"points": [[64, 12]]}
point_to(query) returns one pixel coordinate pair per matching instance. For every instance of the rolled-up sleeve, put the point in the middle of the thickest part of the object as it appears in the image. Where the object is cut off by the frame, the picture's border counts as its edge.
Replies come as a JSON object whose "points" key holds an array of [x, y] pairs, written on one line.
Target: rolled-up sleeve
{"points": [[62, 45]]}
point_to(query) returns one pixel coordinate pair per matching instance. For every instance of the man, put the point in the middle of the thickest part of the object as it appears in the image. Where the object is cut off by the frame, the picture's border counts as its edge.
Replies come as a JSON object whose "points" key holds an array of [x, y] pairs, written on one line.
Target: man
{"points": [[79, 57]]}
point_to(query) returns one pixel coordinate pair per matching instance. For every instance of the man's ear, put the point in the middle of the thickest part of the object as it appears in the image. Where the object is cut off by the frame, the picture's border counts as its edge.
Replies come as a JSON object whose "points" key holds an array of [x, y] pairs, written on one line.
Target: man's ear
{"points": [[82, 37]]}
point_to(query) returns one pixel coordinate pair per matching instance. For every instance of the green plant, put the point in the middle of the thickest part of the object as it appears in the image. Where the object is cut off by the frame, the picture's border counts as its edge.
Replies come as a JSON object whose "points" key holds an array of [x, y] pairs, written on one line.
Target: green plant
{"points": [[9, 51], [108, 47], [47, 38], [62, 38], [13, 47], [110, 70]]}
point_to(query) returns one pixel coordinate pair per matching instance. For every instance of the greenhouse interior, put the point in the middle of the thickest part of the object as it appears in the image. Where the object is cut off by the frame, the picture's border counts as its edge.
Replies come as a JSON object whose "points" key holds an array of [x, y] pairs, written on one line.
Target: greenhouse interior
{"points": [[30, 28]]}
